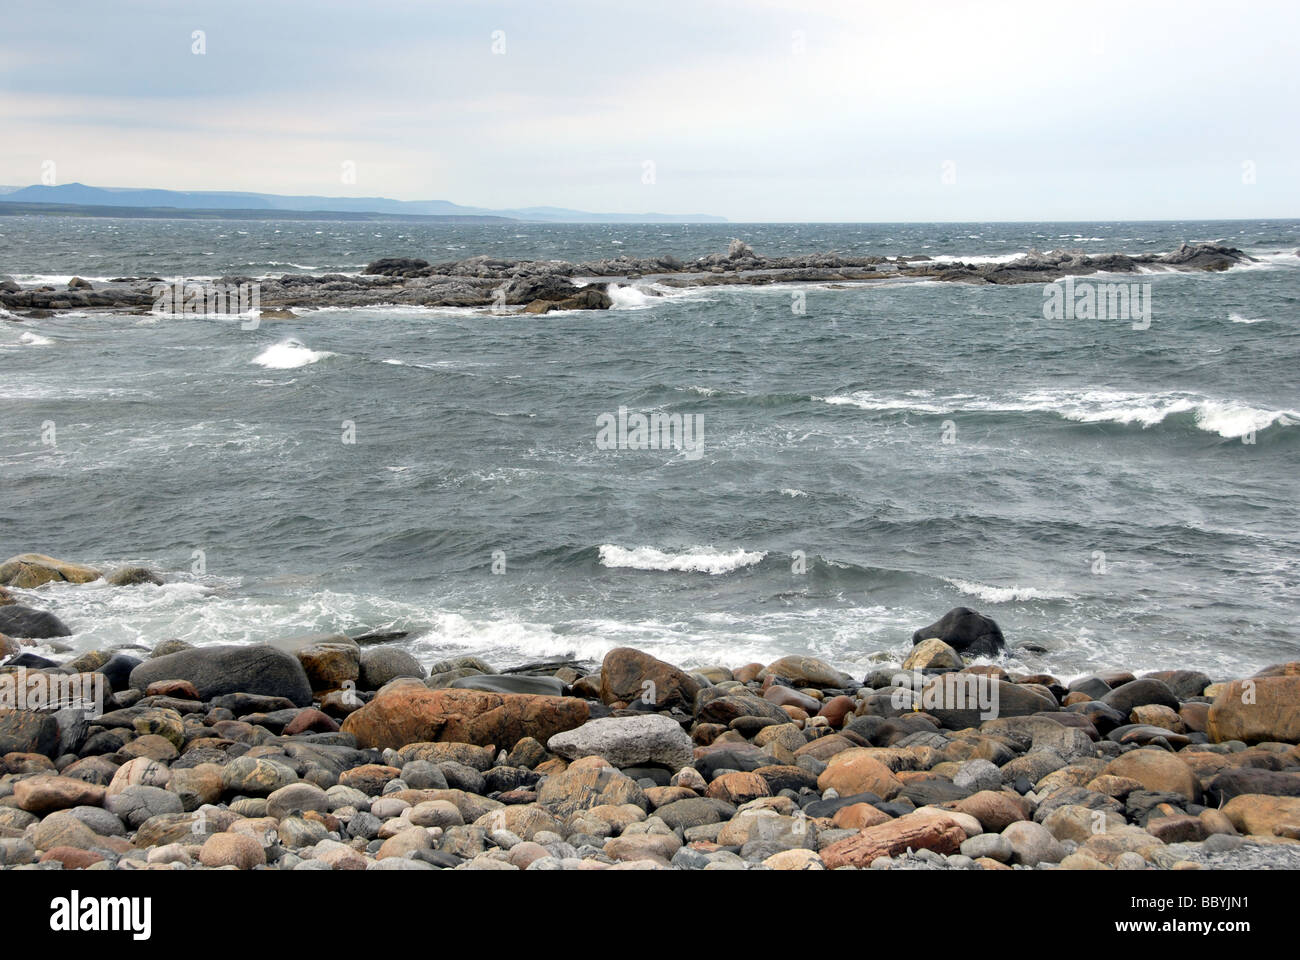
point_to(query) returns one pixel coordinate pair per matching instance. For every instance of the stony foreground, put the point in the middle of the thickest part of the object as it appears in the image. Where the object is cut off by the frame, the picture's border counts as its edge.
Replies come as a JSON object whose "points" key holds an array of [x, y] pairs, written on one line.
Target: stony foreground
{"points": [[539, 286], [334, 753]]}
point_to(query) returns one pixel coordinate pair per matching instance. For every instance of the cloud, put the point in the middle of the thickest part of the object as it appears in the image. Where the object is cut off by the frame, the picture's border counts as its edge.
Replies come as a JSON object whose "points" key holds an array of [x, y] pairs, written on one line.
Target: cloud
{"points": [[757, 109]]}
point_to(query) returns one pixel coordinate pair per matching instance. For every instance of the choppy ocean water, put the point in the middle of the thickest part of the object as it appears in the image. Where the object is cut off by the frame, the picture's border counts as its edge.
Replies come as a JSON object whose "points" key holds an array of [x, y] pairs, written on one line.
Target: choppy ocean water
{"points": [[1119, 496]]}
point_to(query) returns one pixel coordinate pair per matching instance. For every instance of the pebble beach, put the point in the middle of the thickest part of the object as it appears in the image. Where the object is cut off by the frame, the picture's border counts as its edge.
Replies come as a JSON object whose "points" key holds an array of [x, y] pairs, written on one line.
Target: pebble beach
{"points": [[337, 752]]}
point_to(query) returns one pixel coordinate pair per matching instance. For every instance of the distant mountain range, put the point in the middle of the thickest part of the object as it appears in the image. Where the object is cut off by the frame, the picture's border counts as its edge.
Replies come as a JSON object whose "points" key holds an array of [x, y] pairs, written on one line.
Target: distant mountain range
{"points": [[219, 203]]}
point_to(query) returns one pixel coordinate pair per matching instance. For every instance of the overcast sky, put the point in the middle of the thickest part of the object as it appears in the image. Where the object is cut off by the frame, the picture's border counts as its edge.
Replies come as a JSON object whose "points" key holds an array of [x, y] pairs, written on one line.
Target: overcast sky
{"points": [[756, 110]]}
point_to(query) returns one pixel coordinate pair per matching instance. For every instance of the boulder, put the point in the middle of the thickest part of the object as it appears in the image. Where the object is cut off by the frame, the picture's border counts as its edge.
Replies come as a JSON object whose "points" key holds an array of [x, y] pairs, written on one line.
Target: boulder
{"points": [[932, 654], [17, 620], [1157, 769], [959, 701], [412, 713], [505, 683], [857, 771], [381, 664], [28, 731], [810, 672], [1261, 815], [586, 784], [628, 675], [329, 661], [913, 831], [1253, 711], [133, 576], [628, 741], [1139, 693], [966, 632], [215, 671], [232, 849], [33, 569]]}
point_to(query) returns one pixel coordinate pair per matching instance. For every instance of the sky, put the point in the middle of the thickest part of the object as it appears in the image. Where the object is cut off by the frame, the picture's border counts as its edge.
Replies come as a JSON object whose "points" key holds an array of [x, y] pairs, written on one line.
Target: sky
{"points": [[819, 110]]}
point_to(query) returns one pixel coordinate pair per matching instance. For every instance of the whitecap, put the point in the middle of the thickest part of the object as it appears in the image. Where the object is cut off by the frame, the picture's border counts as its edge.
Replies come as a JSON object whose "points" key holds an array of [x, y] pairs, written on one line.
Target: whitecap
{"points": [[289, 354], [692, 560], [1014, 594]]}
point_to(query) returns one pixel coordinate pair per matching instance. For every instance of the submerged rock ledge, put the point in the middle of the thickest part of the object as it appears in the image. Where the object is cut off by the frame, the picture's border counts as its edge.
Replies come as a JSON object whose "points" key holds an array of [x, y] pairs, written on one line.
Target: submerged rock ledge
{"points": [[321, 753], [539, 286]]}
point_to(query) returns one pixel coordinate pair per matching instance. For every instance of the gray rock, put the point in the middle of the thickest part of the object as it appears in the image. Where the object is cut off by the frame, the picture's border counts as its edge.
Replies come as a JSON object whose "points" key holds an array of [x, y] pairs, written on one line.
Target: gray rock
{"points": [[226, 669], [423, 775], [992, 845], [384, 663], [1032, 843], [977, 775], [628, 741], [136, 804], [296, 798], [17, 620], [499, 683]]}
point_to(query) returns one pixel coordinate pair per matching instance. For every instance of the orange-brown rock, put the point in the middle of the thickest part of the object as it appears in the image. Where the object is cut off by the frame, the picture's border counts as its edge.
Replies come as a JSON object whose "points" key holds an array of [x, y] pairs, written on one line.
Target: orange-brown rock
{"points": [[412, 713], [1157, 770], [1260, 815], [738, 788], [1257, 710], [627, 674], [181, 689], [748, 673], [859, 816], [858, 771], [994, 809], [836, 709], [940, 834]]}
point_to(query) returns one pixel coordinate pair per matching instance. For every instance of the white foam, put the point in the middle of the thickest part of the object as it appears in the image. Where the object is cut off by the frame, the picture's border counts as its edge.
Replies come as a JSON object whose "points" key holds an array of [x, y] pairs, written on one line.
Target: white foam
{"points": [[1238, 318], [288, 355], [1227, 418], [991, 594], [629, 297], [35, 340], [692, 560]]}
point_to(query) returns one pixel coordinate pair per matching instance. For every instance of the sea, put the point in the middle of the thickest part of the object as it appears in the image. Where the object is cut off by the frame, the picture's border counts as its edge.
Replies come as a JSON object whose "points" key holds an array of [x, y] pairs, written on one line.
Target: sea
{"points": [[1115, 493]]}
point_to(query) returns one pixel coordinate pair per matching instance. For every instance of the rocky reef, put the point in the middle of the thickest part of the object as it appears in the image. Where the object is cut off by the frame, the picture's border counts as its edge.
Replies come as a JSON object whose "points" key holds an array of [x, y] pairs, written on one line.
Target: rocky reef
{"points": [[539, 286]]}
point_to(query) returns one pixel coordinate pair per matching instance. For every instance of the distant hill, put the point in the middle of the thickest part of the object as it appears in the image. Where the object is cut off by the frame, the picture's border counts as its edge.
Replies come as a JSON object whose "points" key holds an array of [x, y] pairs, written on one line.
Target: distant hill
{"points": [[18, 208], [227, 203]]}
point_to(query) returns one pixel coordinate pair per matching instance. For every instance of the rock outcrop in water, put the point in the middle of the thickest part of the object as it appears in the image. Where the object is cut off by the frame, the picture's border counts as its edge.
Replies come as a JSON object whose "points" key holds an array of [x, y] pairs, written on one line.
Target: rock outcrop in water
{"points": [[293, 756], [539, 286]]}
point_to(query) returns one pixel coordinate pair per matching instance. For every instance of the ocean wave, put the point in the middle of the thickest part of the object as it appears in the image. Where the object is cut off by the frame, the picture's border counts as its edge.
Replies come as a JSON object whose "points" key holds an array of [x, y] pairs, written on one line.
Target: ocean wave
{"points": [[288, 355], [692, 560], [35, 340], [1238, 318], [991, 594], [1227, 418]]}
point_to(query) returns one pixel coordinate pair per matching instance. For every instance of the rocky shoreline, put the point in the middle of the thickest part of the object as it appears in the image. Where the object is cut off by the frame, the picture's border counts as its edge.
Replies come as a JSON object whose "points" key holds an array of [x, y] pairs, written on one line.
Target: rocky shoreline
{"points": [[328, 752], [539, 286]]}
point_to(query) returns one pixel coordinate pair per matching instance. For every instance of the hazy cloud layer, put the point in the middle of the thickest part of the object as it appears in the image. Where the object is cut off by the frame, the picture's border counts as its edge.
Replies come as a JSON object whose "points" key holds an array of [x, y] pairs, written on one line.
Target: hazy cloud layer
{"points": [[755, 111]]}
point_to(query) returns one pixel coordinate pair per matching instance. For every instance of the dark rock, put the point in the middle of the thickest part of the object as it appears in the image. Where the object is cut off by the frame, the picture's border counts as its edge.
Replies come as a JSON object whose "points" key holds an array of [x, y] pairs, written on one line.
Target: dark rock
{"points": [[29, 731], [966, 632], [1139, 693], [117, 671], [1237, 781], [29, 623], [219, 670], [545, 686]]}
